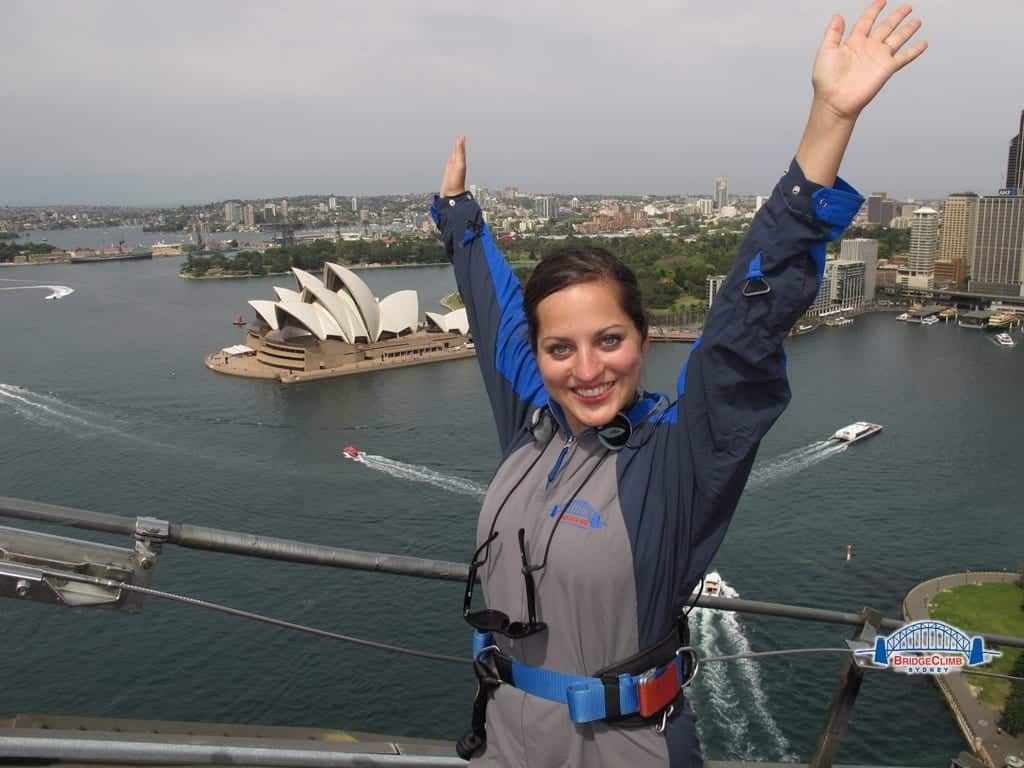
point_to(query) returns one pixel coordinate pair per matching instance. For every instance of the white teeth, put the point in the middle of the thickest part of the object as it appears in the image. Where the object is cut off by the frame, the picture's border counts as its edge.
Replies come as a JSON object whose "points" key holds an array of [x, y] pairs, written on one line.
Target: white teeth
{"points": [[594, 391]]}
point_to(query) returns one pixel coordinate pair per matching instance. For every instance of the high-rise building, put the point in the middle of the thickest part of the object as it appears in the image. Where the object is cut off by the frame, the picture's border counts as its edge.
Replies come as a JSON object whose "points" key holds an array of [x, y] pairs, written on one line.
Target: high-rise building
{"points": [[355, 204], [924, 242], [721, 192], [712, 286], [1015, 160], [874, 207], [232, 212], [269, 211], [759, 201], [706, 207], [546, 207], [998, 254], [284, 210], [959, 220], [864, 250], [575, 203], [332, 203], [249, 215], [846, 286]]}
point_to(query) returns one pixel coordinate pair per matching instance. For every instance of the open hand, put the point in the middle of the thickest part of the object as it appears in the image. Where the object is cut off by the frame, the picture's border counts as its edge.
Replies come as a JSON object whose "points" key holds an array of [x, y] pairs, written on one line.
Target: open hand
{"points": [[848, 74], [453, 182]]}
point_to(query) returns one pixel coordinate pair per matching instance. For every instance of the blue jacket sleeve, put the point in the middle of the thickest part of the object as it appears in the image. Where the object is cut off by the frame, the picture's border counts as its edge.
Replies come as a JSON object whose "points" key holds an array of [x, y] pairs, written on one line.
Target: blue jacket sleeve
{"points": [[494, 305], [734, 385]]}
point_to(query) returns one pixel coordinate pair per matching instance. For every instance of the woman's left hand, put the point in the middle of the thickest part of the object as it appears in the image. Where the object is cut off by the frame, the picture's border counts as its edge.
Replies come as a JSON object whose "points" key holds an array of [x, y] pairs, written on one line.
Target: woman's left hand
{"points": [[848, 74]]}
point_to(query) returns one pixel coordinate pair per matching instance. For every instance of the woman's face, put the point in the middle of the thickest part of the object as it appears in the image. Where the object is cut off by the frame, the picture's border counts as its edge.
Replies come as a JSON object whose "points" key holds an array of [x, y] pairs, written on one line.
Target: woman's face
{"points": [[589, 352]]}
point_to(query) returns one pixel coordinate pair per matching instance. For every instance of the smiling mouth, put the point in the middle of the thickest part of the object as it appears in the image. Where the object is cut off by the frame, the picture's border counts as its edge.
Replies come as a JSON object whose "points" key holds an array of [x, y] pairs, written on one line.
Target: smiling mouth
{"points": [[593, 394]]}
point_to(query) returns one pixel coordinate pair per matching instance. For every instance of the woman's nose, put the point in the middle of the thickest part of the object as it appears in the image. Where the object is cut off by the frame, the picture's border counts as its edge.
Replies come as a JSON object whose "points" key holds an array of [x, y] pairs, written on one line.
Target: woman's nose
{"points": [[588, 365]]}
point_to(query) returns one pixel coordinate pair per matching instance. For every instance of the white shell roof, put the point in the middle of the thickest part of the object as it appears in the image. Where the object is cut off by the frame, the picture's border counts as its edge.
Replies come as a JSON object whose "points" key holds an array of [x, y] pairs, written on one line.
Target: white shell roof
{"points": [[304, 313], [265, 309], [453, 322], [337, 275], [287, 294], [399, 311], [340, 305]]}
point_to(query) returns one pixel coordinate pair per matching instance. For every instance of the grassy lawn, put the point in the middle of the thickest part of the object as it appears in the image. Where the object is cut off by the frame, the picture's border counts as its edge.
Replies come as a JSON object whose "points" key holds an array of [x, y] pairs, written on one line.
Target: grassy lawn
{"points": [[994, 608]]}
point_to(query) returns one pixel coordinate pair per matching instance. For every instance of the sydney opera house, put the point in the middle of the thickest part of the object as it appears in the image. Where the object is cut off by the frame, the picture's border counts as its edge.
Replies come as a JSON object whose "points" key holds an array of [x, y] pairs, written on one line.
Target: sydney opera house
{"points": [[336, 326]]}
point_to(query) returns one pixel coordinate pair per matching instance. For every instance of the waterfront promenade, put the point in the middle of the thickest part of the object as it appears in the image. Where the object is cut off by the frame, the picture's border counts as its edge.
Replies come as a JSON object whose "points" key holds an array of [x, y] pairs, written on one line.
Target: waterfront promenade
{"points": [[977, 721]]}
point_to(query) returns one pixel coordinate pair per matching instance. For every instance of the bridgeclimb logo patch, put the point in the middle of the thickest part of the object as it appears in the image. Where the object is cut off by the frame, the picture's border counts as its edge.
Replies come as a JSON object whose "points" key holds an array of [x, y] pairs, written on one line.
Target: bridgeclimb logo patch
{"points": [[928, 647], [580, 513]]}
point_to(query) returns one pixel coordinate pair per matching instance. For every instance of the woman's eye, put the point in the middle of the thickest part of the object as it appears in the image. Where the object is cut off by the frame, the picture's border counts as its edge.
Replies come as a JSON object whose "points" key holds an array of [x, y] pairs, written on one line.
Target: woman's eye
{"points": [[558, 350], [611, 341]]}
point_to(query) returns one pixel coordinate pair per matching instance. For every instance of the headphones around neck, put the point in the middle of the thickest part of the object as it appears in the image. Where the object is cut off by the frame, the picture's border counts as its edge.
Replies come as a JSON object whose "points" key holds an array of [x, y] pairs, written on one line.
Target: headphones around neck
{"points": [[614, 435]]}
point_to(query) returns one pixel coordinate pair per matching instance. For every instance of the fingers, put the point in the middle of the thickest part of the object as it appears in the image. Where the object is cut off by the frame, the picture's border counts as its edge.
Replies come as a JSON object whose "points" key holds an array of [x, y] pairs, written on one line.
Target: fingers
{"points": [[891, 22], [897, 39], [454, 178], [864, 24], [834, 33], [907, 56]]}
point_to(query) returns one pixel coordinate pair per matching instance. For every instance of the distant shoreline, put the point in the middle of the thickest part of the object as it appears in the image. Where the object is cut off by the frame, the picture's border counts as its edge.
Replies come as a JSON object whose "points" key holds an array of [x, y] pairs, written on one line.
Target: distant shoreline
{"points": [[354, 268]]}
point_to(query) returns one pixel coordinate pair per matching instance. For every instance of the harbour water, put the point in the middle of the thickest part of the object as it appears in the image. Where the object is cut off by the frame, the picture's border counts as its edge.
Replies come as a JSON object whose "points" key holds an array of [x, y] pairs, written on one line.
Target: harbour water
{"points": [[105, 404]]}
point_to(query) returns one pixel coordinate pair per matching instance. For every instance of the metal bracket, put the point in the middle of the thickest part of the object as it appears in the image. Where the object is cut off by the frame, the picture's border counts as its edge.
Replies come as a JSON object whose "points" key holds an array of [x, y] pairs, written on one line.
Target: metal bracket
{"points": [[32, 564], [850, 678], [150, 535]]}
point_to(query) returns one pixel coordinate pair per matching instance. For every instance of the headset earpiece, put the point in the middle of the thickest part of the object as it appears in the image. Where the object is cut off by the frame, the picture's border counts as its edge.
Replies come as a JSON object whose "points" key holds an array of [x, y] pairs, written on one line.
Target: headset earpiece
{"points": [[542, 425], [616, 433]]}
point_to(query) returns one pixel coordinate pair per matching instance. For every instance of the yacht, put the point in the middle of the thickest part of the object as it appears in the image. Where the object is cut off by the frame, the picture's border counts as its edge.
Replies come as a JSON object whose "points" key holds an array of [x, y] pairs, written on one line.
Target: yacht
{"points": [[859, 430], [904, 317], [712, 585], [930, 320], [1005, 340]]}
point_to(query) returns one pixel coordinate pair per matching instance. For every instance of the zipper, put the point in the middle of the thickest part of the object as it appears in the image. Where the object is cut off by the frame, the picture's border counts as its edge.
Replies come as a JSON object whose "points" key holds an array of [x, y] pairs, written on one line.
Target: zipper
{"points": [[561, 457]]}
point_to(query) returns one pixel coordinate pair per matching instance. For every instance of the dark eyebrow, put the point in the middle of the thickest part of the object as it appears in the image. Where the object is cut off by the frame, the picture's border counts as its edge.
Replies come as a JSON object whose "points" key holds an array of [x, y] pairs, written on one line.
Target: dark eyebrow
{"points": [[597, 334]]}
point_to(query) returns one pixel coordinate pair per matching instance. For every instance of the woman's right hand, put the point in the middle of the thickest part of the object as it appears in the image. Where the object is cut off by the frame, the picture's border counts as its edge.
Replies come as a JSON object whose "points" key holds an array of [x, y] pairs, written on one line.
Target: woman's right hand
{"points": [[454, 180]]}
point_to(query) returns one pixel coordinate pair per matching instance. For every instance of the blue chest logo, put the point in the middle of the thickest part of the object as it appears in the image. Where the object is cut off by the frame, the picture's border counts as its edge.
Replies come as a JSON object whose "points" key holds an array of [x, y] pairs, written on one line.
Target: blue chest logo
{"points": [[580, 513]]}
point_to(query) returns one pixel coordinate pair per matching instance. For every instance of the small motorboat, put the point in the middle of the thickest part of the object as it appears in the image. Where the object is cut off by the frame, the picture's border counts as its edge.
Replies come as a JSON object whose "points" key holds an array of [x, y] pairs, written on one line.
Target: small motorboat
{"points": [[239, 320], [859, 430], [712, 585], [1006, 340], [351, 453]]}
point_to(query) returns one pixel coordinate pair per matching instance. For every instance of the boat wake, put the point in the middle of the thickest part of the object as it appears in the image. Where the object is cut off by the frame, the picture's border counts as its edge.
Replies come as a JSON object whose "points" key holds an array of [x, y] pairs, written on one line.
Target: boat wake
{"points": [[731, 704], [52, 412], [55, 291], [420, 474], [792, 462]]}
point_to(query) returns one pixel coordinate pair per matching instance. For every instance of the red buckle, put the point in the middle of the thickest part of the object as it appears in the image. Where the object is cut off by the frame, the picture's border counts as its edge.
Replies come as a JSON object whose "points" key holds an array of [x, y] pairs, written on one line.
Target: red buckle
{"points": [[656, 690]]}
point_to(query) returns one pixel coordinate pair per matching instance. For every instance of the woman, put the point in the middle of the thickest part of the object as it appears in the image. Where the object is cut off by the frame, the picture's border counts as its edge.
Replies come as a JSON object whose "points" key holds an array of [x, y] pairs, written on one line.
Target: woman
{"points": [[610, 503]]}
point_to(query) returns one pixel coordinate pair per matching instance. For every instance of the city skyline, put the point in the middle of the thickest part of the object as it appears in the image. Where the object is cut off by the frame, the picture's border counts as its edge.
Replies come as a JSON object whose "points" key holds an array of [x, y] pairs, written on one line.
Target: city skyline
{"points": [[108, 107]]}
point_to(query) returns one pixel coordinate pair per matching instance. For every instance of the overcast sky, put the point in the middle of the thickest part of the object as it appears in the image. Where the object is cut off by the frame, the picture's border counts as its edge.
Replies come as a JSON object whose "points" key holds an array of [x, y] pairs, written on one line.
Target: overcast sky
{"points": [[166, 102]]}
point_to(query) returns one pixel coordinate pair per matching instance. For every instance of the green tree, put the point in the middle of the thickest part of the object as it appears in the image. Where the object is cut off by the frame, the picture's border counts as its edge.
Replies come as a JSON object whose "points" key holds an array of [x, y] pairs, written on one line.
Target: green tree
{"points": [[1013, 714]]}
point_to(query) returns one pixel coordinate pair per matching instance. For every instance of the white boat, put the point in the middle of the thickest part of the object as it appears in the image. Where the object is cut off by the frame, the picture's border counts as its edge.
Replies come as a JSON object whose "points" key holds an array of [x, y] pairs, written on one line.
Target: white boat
{"points": [[712, 585], [930, 320], [903, 317], [1005, 340], [859, 430]]}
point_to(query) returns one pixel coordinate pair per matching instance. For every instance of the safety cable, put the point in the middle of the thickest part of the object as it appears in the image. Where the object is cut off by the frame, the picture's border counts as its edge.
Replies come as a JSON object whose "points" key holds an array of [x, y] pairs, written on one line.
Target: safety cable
{"points": [[113, 584]]}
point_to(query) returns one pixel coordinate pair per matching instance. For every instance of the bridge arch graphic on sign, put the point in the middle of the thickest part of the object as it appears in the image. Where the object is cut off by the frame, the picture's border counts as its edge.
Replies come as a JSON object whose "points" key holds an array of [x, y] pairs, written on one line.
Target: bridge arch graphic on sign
{"points": [[929, 637]]}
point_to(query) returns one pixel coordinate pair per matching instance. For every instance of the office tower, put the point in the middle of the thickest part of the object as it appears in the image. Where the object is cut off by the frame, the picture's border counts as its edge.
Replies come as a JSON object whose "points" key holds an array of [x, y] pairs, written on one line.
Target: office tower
{"points": [[997, 265], [707, 207], [232, 212], [332, 203], [1015, 160], [249, 215], [546, 207], [721, 192], [284, 210], [959, 219], [846, 286], [874, 206], [575, 203], [864, 250], [924, 230], [712, 286], [355, 204], [759, 201], [269, 211]]}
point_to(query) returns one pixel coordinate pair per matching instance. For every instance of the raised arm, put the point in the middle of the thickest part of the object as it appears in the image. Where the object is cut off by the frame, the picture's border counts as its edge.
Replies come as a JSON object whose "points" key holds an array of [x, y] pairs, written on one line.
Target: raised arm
{"points": [[494, 303], [735, 381]]}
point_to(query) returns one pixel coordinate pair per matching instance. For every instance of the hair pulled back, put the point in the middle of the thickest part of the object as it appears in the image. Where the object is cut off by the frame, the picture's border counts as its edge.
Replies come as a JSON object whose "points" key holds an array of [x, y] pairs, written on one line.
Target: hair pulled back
{"points": [[575, 264]]}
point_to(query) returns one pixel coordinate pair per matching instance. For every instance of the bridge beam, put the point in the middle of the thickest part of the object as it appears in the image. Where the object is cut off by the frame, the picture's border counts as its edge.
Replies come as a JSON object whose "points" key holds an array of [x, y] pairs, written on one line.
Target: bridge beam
{"points": [[850, 678]]}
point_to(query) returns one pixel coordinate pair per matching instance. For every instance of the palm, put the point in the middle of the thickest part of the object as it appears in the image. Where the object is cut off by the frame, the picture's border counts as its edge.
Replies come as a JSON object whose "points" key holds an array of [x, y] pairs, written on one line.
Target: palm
{"points": [[848, 74]]}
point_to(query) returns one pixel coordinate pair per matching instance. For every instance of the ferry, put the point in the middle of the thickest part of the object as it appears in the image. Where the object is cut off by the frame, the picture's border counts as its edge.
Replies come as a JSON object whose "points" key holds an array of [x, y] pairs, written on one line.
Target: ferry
{"points": [[1005, 340], [859, 430], [350, 452]]}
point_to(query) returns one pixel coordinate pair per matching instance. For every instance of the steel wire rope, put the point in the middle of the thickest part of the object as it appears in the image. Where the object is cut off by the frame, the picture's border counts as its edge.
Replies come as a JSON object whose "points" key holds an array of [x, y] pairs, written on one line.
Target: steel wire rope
{"points": [[194, 601]]}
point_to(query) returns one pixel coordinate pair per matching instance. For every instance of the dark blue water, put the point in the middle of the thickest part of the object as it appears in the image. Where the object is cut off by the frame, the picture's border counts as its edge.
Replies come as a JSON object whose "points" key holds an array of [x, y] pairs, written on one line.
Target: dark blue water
{"points": [[119, 415]]}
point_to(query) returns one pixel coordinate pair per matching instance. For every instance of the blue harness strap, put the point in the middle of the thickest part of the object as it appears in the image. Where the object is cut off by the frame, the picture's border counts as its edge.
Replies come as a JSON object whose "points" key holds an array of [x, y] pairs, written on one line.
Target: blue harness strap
{"points": [[586, 697]]}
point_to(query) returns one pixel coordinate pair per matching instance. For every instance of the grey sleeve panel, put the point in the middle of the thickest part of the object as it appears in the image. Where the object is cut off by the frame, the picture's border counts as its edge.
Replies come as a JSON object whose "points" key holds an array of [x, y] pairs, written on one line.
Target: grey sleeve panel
{"points": [[679, 491]]}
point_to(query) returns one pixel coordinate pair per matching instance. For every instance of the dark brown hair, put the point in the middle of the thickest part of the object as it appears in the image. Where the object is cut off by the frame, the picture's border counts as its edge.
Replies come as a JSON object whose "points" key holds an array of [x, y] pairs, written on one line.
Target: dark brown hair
{"points": [[574, 264]]}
